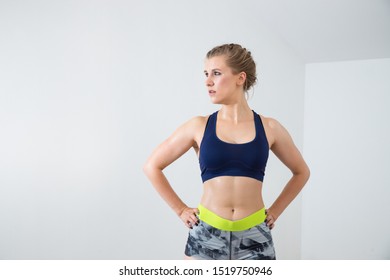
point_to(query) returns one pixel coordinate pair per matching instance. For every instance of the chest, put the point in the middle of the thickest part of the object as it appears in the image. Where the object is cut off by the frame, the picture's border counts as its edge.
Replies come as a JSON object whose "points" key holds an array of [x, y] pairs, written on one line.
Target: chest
{"points": [[235, 133]]}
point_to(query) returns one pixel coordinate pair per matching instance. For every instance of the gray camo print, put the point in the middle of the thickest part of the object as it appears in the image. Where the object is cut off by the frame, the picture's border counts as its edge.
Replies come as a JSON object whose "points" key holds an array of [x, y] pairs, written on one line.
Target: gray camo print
{"points": [[208, 243]]}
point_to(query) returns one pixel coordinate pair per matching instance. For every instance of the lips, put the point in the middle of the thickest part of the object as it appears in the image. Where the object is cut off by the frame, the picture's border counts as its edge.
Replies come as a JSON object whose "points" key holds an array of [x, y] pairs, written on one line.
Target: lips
{"points": [[211, 92]]}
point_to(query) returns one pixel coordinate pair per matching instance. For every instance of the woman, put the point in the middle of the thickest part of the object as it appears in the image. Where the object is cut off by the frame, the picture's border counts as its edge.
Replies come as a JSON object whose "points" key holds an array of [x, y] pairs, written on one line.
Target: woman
{"points": [[232, 144]]}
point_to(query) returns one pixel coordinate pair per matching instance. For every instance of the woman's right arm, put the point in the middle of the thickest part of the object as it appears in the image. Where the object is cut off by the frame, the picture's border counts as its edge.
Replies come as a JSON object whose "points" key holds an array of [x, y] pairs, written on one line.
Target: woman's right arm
{"points": [[167, 152]]}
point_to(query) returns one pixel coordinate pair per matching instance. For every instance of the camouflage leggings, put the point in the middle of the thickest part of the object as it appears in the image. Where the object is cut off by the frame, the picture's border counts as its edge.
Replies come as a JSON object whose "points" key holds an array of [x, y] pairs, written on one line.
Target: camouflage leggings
{"points": [[207, 242]]}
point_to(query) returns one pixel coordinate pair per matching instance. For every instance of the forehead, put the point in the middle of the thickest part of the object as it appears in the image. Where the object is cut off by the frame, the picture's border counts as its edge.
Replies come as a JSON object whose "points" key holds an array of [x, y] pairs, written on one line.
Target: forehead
{"points": [[215, 62]]}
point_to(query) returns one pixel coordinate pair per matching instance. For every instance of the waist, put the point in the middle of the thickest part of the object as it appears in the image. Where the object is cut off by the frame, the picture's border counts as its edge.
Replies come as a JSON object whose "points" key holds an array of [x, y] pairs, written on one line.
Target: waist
{"points": [[224, 194], [218, 222]]}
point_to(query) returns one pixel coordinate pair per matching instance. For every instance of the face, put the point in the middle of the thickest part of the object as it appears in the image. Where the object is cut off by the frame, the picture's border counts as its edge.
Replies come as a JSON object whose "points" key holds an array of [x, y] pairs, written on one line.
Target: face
{"points": [[223, 86]]}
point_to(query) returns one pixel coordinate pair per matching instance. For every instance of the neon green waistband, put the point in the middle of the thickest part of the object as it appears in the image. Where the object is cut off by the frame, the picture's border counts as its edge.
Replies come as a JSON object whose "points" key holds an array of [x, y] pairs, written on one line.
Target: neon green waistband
{"points": [[218, 222]]}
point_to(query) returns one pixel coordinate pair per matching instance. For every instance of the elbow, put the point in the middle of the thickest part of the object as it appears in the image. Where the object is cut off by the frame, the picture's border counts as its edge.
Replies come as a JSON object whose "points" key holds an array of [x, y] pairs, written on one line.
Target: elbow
{"points": [[149, 168], [306, 173], [303, 173]]}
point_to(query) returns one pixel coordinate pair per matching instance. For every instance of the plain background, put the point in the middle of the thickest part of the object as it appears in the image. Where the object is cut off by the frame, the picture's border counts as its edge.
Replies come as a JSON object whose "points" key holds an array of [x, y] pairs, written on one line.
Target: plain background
{"points": [[89, 88], [347, 135]]}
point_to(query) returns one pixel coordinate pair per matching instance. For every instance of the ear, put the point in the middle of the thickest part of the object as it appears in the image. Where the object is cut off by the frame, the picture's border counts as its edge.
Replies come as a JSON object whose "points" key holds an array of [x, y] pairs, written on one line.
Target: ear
{"points": [[241, 78]]}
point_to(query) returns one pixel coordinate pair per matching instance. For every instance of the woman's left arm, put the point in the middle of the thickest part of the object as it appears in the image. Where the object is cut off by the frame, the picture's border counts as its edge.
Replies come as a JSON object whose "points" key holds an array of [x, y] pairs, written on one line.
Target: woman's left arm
{"points": [[284, 148]]}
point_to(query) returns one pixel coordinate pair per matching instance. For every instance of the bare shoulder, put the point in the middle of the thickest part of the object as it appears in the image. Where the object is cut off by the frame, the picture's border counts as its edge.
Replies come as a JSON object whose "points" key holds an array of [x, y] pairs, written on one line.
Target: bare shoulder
{"points": [[273, 129], [270, 122], [192, 129], [198, 120], [194, 124]]}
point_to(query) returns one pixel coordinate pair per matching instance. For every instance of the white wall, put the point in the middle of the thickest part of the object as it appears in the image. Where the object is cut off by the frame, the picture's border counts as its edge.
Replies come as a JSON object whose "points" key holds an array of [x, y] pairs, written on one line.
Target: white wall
{"points": [[88, 89], [346, 143]]}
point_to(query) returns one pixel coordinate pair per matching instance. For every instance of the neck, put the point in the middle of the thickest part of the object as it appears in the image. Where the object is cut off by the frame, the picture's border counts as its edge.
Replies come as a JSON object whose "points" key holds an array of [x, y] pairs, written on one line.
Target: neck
{"points": [[236, 112]]}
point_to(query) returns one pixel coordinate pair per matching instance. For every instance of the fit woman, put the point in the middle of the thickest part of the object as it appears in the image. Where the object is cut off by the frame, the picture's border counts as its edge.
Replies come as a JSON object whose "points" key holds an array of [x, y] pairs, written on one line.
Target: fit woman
{"points": [[232, 145]]}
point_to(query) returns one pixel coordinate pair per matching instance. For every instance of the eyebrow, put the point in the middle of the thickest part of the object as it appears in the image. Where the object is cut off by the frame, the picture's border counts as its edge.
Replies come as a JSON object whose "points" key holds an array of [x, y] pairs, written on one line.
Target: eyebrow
{"points": [[215, 69]]}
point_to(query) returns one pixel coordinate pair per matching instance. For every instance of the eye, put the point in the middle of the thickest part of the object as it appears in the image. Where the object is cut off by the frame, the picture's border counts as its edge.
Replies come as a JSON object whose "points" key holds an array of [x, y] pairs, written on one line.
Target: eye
{"points": [[216, 73], [206, 74]]}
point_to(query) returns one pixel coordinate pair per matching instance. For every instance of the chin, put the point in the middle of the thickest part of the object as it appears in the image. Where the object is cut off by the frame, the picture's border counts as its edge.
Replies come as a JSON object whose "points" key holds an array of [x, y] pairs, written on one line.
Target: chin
{"points": [[216, 100]]}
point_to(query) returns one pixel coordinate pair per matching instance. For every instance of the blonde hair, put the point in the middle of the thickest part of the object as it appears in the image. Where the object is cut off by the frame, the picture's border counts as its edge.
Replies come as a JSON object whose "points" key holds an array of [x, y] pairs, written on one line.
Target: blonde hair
{"points": [[239, 59]]}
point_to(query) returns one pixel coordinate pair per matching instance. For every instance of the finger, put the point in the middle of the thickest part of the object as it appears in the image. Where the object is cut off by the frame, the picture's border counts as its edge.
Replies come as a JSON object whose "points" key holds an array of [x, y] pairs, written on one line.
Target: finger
{"points": [[189, 225], [269, 220], [194, 218], [187, 220], [192, 211], [195, 212], [191, 220], [192, 223]]}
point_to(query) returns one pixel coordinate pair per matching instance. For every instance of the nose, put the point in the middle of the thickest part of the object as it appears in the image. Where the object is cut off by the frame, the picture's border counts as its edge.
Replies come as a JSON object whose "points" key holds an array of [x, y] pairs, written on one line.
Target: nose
{"points": [[209, 82]]}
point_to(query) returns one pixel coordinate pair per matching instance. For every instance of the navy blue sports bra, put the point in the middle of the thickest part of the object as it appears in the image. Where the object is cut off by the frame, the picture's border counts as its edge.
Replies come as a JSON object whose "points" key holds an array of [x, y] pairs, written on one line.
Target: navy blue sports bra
{"points": [[219, 158]]}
